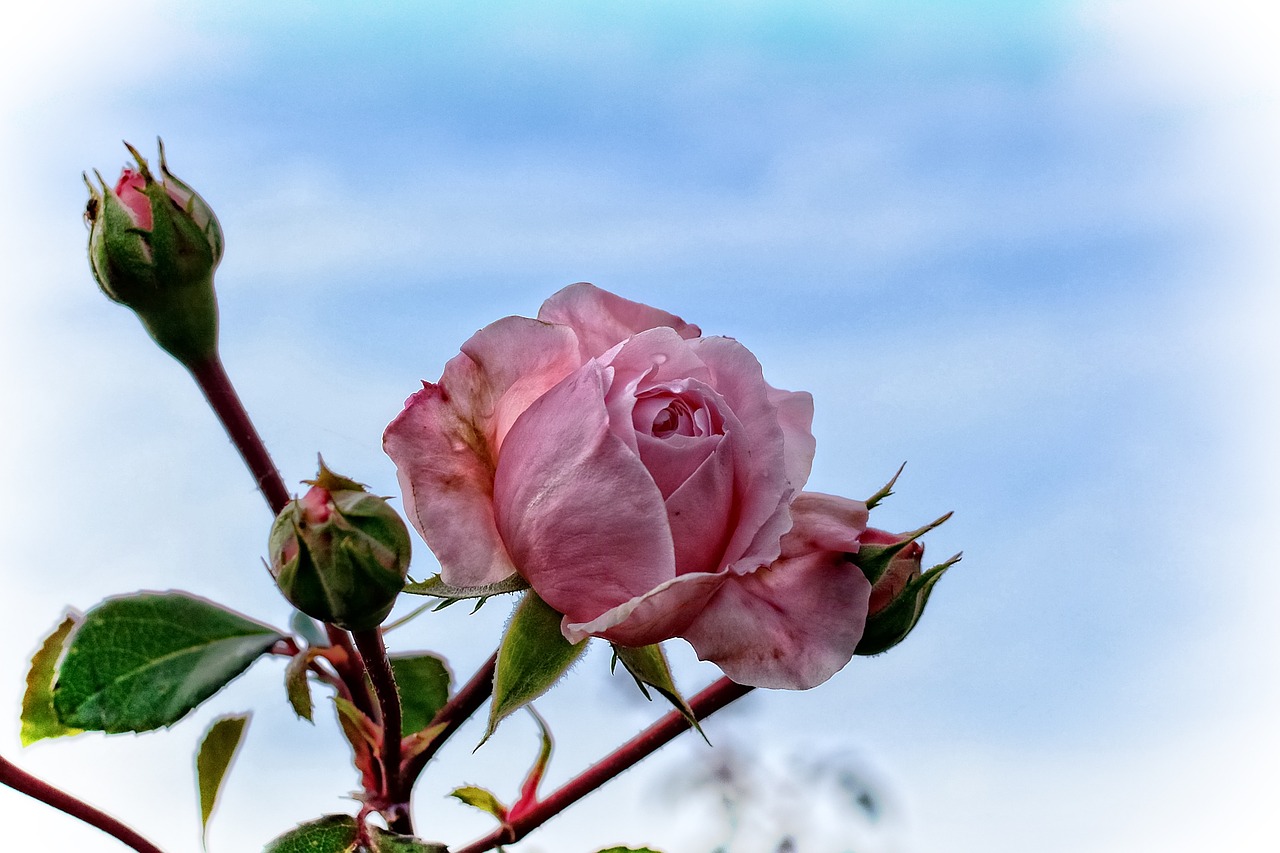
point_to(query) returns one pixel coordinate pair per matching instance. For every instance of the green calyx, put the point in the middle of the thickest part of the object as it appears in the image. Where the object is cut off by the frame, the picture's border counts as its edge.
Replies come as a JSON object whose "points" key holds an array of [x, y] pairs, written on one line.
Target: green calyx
{"points": [[340, 554], [891, 625], [162, 269]]}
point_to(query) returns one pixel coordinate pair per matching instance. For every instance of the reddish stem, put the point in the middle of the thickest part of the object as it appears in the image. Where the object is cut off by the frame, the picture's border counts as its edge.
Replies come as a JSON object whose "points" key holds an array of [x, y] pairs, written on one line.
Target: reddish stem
{"points": [[212, 378], [706, 703], [25, 783], [395, 793], [455, 712], [216, 385]]}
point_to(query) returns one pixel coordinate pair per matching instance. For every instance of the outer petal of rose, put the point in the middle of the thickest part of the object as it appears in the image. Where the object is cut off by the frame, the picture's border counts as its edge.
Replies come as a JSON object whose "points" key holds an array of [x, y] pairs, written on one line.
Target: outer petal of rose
{"points": [[602, 319], [761, 484], [516, 360], [791, 625], [797, 622], [657, 615], [825, 523], [444, 442], [580, 515], [795, 416], [447, 488]]}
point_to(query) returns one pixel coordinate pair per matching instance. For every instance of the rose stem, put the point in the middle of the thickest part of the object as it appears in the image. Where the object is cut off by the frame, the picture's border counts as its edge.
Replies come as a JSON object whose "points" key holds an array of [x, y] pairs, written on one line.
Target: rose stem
{"points": [[218, 390], [216, 385], [25, 783], [706, 703], [454, 713], [374, 652]]}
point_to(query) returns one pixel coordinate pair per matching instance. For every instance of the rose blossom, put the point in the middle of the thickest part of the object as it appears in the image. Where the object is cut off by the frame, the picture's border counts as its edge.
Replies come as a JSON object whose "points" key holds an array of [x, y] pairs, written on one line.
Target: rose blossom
{"points": [[645, 481]]}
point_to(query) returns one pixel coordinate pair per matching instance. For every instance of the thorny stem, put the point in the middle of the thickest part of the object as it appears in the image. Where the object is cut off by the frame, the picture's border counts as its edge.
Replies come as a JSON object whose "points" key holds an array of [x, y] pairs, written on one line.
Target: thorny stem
{"points": [[25, 783], [454, 713], [706, 703], [395, 793]]}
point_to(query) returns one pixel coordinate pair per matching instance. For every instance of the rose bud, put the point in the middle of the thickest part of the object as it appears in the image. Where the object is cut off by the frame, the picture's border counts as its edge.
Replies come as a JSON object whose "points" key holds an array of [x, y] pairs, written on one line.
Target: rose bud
{"points": [[899, 589], [340, 554], [153, 246]]}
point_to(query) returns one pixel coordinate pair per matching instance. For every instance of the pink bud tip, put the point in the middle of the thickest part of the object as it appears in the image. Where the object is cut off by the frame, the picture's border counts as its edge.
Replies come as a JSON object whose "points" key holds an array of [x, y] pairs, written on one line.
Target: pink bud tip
{"points": [[129, 190]]}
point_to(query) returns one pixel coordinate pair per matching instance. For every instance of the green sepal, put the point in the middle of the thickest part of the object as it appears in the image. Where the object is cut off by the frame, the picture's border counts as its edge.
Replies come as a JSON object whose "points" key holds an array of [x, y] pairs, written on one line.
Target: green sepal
{"points": [[629, 850], [482, 799], [529, 787], [874, 560], [423, 681], [435, 587], [885, 490], [532, 657], [39, 719], [336, 833], [143, 661], [648, 666], [217, 751], [892, 624]]}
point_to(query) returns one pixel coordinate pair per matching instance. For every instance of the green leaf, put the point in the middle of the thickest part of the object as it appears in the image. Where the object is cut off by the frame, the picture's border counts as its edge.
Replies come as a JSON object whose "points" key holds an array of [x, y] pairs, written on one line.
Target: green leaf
{"points": [[482, 799], [532, 657], [629, 850], [308, 629], [296, 685], [143, 661], [423, 681], [436, 587], [382, 841], [648, 666], [213, 759], [39, 720], [334, 833]]}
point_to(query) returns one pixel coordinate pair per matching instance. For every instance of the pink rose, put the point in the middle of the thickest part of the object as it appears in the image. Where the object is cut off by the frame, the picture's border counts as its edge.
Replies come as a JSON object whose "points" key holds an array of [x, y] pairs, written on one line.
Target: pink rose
{"points": [[645, 481]]}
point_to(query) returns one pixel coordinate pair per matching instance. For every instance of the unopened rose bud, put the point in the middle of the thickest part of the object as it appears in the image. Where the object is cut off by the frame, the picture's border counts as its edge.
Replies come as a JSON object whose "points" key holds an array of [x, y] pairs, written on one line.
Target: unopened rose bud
{"points": [[899, 589], [340, 554], [900, 567], [153, 246]]}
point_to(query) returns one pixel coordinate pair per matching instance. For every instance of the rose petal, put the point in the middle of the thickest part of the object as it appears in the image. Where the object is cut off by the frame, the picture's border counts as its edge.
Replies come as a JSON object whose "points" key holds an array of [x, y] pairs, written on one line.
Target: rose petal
{"points": [[660, 614], [602, 319], [795, 417], [827, 523], [761, 484], [796, 623], [792, 625], [445, 441], [648, 360], [700, 512], [579, 513]]}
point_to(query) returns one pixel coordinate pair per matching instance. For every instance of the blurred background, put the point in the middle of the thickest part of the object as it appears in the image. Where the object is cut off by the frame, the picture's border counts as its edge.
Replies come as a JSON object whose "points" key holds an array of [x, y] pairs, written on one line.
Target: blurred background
{"points": [[1027, 247]]}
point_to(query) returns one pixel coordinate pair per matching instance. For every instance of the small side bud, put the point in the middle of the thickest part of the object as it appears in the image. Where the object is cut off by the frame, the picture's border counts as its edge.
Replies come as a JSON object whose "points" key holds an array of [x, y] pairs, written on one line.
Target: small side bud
{"points": [[339, 553], [153, 246], [899, 589]]}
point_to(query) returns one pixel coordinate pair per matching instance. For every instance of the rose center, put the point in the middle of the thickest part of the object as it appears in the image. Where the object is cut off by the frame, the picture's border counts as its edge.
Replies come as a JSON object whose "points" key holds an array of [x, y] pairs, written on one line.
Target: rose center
{"points": [[670, 420], [663, 414]]}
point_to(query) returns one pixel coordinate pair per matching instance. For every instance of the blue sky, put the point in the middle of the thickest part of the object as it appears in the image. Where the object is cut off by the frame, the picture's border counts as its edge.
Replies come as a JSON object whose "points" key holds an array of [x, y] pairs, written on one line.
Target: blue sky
{"points": [[1025, 247]]}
